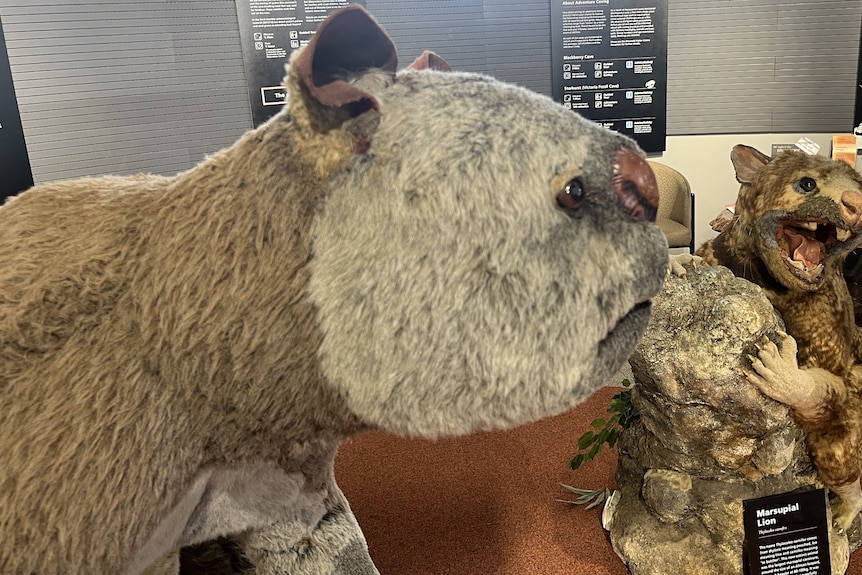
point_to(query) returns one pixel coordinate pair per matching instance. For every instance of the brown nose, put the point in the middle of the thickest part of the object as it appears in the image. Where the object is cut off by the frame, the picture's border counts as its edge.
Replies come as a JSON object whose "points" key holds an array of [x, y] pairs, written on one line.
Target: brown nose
{"points": [[634, 185], [851, 208]]}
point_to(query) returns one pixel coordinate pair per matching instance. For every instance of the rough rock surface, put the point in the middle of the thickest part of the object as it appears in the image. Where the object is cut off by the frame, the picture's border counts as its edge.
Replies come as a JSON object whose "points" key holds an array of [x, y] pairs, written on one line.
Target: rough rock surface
{"points": [[706, 439]]}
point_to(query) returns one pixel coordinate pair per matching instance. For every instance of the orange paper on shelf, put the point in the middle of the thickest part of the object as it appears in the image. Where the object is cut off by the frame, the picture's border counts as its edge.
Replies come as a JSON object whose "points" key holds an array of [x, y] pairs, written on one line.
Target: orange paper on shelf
{"points": [[844, 148]]}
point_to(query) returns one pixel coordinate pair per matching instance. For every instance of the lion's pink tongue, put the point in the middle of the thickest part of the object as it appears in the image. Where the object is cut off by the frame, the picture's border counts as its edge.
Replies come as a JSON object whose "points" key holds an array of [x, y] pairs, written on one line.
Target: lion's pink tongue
{"points": [[805, 251]]}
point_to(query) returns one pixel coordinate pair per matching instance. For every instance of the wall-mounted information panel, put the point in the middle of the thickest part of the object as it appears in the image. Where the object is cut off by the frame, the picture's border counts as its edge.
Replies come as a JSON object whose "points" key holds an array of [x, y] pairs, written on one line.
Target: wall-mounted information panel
{"points": [[15, 173], [610, 64], [270, 30]]}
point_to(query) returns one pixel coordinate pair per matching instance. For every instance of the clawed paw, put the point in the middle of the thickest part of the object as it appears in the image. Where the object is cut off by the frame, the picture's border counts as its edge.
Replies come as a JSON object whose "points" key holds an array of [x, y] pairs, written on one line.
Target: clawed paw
{"points": [[678, 263], [843, 515], [847, 505], [776, 371]]}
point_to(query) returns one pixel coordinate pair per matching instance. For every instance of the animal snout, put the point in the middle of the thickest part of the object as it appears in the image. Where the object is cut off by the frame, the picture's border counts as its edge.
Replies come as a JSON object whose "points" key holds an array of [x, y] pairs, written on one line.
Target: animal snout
{"points": [[851, 208], [634, 185]]}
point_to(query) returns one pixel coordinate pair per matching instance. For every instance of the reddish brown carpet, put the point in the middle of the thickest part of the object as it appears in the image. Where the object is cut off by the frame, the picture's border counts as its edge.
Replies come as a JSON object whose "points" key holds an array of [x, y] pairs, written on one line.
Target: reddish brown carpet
{"points": [[484, 504]]}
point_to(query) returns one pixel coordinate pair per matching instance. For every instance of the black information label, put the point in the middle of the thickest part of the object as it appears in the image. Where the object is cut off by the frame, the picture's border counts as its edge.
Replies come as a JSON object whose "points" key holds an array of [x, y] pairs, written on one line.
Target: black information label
{"points": [[15, 173], [610, 64], [786, 534], [270, 30]]}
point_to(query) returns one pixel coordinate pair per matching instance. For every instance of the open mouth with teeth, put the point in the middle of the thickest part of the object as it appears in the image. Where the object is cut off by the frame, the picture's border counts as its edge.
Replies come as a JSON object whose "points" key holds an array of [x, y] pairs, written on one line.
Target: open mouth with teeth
{"points": [[803, 245]]}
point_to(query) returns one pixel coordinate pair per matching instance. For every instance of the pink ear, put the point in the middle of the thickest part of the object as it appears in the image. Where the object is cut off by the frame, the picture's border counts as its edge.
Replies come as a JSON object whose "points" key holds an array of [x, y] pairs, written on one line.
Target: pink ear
{"points": [[347, 43], [430, 61], [747, 161]]}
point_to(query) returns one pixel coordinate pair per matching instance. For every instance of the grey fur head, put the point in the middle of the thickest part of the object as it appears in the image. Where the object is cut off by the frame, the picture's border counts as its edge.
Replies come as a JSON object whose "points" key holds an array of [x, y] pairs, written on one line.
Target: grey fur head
{"points": [[453, 292]]}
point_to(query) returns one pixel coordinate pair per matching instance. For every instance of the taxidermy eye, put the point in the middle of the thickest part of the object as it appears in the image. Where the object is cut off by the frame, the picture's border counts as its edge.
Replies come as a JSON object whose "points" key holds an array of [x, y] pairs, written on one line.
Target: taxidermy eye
{"points": [[807, 184], [573, 195]]}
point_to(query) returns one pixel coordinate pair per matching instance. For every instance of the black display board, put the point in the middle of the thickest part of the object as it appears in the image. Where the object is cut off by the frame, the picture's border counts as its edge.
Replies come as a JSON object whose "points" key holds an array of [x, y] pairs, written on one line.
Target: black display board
{"points": [[270, 30], [786, 534], [15, 173], [610, 64]]}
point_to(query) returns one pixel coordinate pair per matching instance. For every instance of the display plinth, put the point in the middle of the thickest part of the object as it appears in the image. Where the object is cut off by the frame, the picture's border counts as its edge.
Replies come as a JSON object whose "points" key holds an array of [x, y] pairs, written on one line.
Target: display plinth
{"points": [[706, 439]]}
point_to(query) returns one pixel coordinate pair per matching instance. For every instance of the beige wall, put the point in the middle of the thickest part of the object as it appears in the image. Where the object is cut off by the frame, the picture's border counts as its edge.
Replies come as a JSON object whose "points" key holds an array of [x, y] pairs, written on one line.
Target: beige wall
{"points": [[705, 162]]}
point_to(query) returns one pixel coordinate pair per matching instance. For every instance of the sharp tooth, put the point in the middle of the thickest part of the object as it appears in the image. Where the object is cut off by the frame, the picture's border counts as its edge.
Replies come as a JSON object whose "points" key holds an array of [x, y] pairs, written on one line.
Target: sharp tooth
{"points": [[810, 226], [843, 235], [797, 265]]}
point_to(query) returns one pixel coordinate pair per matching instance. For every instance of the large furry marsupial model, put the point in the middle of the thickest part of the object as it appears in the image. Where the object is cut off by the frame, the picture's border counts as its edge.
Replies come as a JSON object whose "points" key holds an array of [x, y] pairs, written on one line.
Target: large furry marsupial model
{"points": [[427, 253], [797, 216]]}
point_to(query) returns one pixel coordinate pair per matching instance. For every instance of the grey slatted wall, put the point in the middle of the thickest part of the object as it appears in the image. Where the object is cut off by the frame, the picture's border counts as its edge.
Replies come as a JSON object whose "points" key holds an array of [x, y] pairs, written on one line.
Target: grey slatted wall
{"points": [[762, 66], [509, 39], [123, 87], [519, 43], [152, 85], [458, 26]]}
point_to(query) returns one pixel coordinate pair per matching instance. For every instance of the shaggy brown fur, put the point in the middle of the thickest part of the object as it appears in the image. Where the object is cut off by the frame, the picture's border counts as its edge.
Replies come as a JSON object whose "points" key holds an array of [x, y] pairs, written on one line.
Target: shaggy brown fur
{"points": [[797, 216], [143, 278]]}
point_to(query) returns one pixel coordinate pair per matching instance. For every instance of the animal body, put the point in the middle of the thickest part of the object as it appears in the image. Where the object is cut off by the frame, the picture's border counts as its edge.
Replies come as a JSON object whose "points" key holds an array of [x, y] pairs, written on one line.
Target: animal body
{"points": [[796, 218], [422, 252]]}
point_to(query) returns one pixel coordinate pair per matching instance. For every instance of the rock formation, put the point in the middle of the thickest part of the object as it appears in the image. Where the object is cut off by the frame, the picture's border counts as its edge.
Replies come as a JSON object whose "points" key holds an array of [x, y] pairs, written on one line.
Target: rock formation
{"points": [[706, 439]]}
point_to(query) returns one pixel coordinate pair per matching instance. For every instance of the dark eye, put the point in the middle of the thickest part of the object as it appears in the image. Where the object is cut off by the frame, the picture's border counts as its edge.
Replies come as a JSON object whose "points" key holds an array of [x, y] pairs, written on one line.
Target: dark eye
{"points": [[808, 184], [573, 195]]}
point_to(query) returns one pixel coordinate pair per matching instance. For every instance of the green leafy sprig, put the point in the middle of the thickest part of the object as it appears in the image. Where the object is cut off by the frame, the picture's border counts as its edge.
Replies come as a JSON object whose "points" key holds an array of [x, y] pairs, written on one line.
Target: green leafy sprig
{"points": [[607, 430], [589, 497]]}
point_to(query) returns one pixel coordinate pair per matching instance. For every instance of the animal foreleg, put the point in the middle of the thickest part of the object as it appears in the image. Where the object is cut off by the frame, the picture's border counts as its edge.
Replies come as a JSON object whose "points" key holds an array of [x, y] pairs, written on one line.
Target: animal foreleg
{"points": [[809, 391], [678, 263], [335, 547], [849, 506]]}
